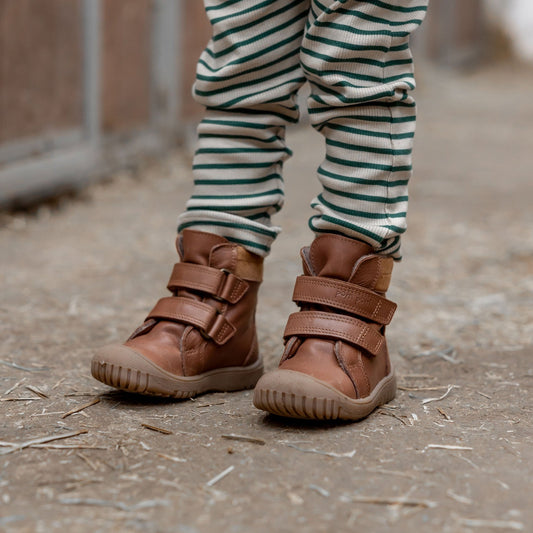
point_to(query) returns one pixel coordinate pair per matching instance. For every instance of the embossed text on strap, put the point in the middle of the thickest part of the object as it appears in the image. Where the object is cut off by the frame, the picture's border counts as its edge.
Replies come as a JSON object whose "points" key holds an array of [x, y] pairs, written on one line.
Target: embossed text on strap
{"points": [[345, 296]]}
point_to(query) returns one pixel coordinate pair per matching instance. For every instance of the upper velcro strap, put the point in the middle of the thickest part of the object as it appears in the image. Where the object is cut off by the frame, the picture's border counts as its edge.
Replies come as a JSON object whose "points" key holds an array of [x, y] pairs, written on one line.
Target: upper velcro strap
{"points": [[336, 327], [204, 317], [220, 284], [344, 296]]}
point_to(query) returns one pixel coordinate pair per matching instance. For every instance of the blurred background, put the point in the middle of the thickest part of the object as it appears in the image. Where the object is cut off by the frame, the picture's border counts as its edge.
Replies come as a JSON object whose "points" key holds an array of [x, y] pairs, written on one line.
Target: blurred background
{"points": [[91, 86]]}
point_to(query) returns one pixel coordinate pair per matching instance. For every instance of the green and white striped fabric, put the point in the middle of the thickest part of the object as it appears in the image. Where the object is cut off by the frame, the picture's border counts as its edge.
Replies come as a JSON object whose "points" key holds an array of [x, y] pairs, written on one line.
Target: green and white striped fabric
{"points": [[356, 57]]}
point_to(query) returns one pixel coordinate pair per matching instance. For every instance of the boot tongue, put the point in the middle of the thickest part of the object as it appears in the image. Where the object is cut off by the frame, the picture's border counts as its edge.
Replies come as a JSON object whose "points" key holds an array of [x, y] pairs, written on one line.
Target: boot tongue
{"points": [[196, 246], [334, 256]]}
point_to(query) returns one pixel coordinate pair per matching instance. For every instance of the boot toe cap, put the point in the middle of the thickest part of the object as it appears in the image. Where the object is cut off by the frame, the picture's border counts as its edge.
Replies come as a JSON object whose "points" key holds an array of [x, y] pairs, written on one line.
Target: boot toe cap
{"points": [[121, 367], [297, 395]]}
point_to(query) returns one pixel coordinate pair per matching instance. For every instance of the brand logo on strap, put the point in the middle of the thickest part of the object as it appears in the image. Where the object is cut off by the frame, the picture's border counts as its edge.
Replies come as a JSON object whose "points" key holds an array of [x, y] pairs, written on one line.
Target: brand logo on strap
{"points": [[342, 294]]}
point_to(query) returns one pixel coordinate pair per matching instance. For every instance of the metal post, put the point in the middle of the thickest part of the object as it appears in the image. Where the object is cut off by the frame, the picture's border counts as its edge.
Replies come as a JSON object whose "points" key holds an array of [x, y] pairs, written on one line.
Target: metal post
{"points": [[165, 66], [91, 69]]}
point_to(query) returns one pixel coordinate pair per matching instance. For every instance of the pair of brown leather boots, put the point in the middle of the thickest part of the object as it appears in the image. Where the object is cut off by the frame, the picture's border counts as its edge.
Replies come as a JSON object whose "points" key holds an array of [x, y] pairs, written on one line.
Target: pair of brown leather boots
{"points": [[203, 338]]}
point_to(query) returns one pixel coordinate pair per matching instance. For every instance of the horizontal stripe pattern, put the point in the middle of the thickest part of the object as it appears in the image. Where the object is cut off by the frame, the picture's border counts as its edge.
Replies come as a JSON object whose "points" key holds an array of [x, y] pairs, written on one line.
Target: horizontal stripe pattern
{"points": [[247, 78], [356, 56]]}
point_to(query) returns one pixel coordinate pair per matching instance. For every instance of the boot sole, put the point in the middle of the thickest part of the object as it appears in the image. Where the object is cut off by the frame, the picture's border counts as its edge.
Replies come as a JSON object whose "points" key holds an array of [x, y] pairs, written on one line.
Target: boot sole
{"points": [[125, 369], [297, 395]]}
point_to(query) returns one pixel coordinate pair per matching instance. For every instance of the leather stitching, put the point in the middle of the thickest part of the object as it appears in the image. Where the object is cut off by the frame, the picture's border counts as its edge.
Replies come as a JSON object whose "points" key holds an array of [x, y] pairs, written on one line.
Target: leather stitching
{"points": [[215, 281], [346, 368], [297, 325], [204, 323], [363, 297]]}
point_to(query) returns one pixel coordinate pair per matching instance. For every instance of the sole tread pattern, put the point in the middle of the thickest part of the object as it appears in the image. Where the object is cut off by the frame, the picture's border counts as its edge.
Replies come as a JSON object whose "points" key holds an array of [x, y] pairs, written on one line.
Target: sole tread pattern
{"points": [[137, 381], [296, 395], [296, 406], [131, 380]]}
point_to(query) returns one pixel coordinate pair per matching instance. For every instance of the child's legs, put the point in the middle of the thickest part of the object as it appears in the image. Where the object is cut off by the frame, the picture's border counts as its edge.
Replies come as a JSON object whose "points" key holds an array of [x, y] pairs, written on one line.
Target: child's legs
{"points": [[247, 79], [356, 56]]}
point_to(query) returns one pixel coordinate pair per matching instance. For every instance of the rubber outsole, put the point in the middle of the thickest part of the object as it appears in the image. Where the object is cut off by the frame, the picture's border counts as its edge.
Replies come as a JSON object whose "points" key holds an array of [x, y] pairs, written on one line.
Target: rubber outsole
{"points": [[296, 395], [123, 368]]}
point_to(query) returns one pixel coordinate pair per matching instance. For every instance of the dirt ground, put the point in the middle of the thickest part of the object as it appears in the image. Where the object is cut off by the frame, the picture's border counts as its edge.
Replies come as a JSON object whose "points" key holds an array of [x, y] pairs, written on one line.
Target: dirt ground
{"points": [[452, 453]]}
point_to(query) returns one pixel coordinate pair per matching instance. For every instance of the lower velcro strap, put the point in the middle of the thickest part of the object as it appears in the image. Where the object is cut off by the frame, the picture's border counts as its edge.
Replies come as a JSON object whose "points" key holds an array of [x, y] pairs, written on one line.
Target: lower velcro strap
{"points": [[204, 317], [335, 327]]}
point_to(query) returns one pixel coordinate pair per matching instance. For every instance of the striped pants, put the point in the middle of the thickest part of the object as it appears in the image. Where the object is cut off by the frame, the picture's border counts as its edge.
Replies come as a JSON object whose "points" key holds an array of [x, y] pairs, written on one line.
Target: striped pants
{"points": [[356, 57]]}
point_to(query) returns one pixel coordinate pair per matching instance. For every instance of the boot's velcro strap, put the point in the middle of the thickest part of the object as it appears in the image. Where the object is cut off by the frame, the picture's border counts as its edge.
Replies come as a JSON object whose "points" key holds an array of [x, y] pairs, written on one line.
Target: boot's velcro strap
{"points": [[204, 317], [345, 296], [220, 284], [337, 327]]}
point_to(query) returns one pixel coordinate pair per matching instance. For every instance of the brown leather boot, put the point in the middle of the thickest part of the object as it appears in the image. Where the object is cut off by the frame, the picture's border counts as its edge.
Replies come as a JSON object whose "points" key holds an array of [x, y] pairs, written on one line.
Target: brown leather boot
{"points": [[201, 338], [335, 364]]}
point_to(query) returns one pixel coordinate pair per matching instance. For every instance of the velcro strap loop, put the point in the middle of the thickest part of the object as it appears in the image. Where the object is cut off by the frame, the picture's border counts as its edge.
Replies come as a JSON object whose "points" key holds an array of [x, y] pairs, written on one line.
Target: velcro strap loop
{"points": [[220, 284], [204, 317], [344, 296], [337, 327]]}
